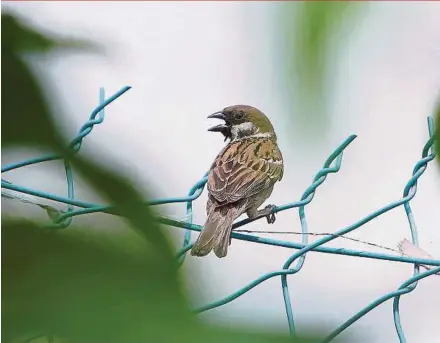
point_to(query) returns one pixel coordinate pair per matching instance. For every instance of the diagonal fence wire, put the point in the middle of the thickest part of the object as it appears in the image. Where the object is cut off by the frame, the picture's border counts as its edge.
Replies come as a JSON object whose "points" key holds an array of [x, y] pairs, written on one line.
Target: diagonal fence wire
{"points": [[62, 219]]}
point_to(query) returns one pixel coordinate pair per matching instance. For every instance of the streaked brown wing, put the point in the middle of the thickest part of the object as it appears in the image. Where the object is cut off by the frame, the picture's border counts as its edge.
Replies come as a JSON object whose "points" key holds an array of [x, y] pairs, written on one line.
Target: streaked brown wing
{"points": [[245, 168]]}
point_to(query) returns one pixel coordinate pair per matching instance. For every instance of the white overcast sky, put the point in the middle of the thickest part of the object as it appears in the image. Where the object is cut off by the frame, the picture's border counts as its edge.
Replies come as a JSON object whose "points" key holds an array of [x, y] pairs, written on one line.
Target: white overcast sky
{"points": [[187, 60]]}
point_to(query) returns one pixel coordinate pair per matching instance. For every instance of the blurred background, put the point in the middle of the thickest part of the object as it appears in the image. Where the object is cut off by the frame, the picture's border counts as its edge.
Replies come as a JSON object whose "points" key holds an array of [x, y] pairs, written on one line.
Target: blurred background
{"points": [[320, 72]]}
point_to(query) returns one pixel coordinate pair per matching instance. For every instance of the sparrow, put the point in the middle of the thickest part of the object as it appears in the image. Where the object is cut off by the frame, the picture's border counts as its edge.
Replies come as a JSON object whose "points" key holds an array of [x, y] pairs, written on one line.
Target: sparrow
{"points": [[241, 177]]}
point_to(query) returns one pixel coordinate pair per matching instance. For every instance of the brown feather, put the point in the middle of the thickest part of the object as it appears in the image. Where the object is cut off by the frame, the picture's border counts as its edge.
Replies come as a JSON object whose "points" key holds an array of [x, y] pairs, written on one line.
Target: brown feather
{"points": [[240, 179], [244, 168], [217, 229]]}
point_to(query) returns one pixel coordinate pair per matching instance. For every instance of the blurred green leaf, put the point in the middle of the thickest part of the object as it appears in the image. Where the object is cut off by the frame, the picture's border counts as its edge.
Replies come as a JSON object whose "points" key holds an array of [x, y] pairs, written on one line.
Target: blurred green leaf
{"points": [[130, 205], [85, 291], [25, 113], [20, 38], [309, 35]]}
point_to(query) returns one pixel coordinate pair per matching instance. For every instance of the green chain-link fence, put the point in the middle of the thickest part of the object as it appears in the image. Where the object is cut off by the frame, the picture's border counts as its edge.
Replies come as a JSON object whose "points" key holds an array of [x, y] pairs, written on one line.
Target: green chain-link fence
{"points": [[76, 207]]}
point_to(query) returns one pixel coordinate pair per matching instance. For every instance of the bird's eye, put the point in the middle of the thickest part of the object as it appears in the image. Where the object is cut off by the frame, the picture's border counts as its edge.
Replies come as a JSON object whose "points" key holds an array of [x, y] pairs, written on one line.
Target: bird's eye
{"points": [[239, 115]]}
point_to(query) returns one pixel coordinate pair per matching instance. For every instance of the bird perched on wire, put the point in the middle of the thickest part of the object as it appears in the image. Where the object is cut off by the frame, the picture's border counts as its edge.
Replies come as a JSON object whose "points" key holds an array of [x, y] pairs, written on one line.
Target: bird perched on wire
{"points": [[242, 176]]}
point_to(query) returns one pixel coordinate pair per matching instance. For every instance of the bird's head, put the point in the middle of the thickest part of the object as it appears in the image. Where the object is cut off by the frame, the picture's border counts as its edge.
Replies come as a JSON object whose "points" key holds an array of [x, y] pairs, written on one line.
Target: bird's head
{"points": [[243, 121]]}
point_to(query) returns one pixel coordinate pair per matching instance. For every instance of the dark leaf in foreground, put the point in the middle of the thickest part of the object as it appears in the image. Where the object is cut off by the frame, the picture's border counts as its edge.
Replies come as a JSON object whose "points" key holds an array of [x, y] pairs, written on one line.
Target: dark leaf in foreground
{"points": [[26, 118]]}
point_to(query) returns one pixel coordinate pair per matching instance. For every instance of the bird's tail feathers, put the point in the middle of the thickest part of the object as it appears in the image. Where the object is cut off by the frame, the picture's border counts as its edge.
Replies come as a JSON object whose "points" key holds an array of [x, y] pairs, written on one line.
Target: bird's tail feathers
{"points": [[223, 238], [216, 232]]}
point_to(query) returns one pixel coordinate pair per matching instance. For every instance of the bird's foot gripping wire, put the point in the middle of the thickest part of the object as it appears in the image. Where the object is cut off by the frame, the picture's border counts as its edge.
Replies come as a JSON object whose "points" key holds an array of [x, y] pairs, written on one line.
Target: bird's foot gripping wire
{"points": [[270, 215], [267, 212]]}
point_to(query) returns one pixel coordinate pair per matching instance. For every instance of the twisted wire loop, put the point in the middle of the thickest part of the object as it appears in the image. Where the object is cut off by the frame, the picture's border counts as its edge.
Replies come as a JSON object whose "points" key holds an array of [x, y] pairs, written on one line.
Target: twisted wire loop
{"points": [[295, 262], [97, 117]]}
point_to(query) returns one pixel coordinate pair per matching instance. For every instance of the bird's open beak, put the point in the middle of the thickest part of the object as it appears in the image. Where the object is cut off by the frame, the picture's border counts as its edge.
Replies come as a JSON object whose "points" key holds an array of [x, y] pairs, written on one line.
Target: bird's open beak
{"points": [[225, 129], [217, 115], [220, 127]]}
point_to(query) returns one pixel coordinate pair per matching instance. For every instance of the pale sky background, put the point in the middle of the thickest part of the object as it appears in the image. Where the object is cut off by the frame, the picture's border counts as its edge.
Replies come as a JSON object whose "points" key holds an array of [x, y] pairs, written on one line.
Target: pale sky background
{"points": [[187, 60]]}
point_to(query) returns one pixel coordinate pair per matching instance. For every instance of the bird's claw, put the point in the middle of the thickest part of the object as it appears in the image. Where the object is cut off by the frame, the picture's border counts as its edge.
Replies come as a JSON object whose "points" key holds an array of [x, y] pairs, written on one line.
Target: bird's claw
{"points": [[271, 216]]}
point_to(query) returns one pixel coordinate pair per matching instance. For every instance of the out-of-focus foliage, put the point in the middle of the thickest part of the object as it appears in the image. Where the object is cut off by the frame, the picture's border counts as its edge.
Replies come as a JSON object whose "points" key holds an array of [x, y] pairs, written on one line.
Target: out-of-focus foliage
{"points": [[22, 94], [310, 33], [80, 288]]}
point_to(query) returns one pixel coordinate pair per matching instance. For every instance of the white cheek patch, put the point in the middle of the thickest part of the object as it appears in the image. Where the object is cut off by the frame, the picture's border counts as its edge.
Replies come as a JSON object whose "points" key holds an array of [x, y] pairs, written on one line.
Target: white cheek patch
{"points": [[243, 130], [246, 127]]}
